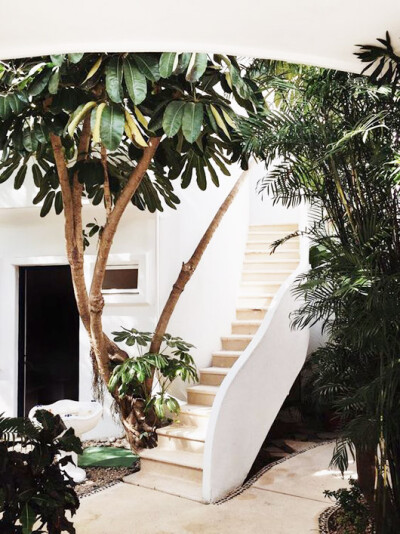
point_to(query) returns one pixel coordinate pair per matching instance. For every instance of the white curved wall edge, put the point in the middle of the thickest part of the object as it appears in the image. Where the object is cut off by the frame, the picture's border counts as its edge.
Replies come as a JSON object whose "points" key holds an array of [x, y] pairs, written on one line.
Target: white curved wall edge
{"points": [[318, 32], [254, 390]]}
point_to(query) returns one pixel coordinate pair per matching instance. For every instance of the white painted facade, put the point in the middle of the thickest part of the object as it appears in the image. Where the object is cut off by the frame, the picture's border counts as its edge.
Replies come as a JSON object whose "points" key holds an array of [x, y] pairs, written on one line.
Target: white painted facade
{"points": [[159, 243]]}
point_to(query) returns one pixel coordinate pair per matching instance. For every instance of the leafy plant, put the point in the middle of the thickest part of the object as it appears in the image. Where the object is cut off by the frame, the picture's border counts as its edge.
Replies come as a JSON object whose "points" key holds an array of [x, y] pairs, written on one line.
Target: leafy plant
{"points": [[34, 492], [354, 512], [129, 378], [333, 140]]}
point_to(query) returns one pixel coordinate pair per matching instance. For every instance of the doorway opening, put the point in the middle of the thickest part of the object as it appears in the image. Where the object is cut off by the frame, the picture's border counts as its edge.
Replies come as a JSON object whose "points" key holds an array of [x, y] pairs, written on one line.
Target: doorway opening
{"points": [[48, 337]]}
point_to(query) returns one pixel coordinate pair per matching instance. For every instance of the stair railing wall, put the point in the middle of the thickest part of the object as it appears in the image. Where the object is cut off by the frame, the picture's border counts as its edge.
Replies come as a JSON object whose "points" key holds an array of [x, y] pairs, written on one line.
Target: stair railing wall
{"points": [[254, 390]]}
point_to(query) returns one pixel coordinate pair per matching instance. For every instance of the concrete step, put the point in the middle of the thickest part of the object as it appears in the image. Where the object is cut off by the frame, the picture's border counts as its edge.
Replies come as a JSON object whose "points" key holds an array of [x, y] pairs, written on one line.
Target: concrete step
{"points": [[194, 415], [225, 358], [269, 262], [251, 287], [255, 301], [259, 255], [263, 275], [235, 342], [245, 326], [201, 394], [182, 438], [213, 376], [251, 313], [172, 484], [187, 465]]}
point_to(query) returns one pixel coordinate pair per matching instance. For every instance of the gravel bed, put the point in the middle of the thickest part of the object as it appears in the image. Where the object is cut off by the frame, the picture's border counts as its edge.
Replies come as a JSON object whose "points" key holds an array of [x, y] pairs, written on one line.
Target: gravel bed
{"points": [[103, 477]]}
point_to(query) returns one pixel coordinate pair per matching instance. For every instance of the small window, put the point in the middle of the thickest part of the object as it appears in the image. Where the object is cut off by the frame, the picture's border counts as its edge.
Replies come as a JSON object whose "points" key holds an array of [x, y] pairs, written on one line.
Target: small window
{"points": [[121, 279]]}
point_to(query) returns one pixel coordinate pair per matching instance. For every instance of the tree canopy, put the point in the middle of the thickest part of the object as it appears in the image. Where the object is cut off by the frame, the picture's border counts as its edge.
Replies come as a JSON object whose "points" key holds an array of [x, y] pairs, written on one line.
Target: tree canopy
{"points": [[183, 98]]}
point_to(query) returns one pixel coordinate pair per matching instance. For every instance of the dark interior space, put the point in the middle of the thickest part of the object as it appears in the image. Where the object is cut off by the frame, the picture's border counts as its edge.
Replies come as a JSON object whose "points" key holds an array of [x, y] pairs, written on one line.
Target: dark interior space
{"points": [[48, 337]]}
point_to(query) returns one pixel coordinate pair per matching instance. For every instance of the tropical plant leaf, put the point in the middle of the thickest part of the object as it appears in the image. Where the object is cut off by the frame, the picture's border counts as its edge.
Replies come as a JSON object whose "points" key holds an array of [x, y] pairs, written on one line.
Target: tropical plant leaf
{"points": [[148, 65], [47, 204], [167, 63], [112, 126], [114, 75], [20, 176], [192, 121], [172, 119], [54, 82], [135, 81], [197, 67], [75, 58], [27, 518]]}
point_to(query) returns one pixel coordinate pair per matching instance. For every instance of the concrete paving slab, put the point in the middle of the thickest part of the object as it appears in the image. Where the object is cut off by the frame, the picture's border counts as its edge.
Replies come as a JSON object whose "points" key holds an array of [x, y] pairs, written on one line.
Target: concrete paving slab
{"points": [[268, 507]]}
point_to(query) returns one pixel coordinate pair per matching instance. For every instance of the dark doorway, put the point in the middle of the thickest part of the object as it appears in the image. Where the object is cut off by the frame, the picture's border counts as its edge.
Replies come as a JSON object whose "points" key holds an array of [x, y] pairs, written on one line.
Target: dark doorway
{"points": [[48, 337]]}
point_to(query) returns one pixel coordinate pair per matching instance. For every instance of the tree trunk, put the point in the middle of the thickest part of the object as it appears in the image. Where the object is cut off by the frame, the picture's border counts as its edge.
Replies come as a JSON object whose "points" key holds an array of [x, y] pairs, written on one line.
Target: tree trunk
{"points": [[188, 269], [365, 459], [90, 306]]}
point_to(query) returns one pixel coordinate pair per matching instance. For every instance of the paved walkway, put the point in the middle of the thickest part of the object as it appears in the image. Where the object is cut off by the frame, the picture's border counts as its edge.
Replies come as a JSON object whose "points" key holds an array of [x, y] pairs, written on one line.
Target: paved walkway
{"points": [[287, 499]]}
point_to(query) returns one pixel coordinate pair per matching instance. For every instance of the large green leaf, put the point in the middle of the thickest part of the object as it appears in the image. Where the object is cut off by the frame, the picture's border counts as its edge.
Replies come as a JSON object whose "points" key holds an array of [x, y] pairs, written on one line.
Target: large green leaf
{"points": [[183, 63], [20, 176], [192, 121], [148, 65], [172, 119], [167, 62], [29, 140], [5, 108], [27, 518], [114, 79], [112, 126], [75, 58], [48, 202], [15, 103], [40, 82], [5, 175], [197, 67], [58, 202], [58, 59], [37, 174], [54, 82], [201, 175], [135, 81]]}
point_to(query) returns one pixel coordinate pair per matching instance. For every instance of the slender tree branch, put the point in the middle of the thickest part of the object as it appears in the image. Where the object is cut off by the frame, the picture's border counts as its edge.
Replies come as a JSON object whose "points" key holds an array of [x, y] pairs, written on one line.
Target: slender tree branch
{"points": [[188, 269]]}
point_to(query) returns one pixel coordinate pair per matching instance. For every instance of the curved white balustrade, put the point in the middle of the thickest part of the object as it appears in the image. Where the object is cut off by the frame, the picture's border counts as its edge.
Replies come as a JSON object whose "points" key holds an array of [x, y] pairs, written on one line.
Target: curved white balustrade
{"points": [[253, 392]]}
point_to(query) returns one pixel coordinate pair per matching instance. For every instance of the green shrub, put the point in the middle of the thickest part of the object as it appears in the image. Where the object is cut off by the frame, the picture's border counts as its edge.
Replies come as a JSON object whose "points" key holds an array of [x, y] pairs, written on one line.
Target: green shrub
{"points": [[34, 492], [129, 378], [353, 511]]}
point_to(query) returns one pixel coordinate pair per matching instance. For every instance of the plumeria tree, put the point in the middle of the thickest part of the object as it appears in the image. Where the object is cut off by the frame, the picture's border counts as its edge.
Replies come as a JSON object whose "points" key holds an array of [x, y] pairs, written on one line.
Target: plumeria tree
{"points": [[117, 129]]}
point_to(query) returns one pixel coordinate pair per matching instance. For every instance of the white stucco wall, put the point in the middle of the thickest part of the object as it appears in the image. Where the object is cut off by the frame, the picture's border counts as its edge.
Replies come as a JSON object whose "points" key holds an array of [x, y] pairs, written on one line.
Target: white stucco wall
{"points": [[262, 208]]}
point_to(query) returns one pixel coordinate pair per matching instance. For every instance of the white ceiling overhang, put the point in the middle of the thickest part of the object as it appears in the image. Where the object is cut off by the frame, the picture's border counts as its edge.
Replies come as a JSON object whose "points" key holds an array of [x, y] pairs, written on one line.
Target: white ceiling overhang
{"points": [[317, 32]]}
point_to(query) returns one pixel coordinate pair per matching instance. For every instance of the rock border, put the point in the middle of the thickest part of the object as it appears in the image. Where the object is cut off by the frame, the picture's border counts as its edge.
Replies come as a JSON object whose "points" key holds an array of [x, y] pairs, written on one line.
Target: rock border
{"points": [[101, 488], [323, 520]]}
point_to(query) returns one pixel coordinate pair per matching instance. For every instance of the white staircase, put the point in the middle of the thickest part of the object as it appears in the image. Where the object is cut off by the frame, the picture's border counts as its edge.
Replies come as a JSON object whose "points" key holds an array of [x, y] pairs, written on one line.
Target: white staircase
{"points": [[176, 465]]}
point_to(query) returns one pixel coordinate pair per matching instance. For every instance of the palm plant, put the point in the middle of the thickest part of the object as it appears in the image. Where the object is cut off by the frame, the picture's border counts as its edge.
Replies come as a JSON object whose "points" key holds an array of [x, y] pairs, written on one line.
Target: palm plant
{"points": [[331, 139]]}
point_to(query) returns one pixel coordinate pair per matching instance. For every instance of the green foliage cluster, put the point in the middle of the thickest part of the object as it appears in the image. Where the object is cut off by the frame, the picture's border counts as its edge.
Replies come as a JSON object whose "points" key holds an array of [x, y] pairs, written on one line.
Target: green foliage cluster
{"points": [[185, 98], [332, 139], [354, 513], [129, 378], [34, 493]]}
